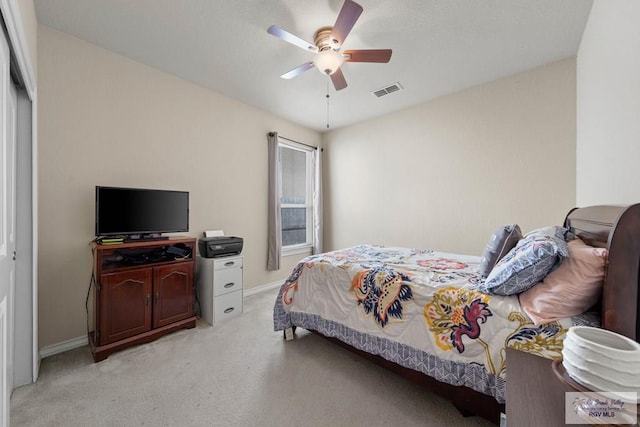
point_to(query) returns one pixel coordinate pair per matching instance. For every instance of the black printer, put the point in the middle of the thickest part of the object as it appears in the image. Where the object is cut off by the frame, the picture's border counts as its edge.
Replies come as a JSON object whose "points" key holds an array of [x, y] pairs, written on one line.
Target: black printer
{"points": [[213, 247]]}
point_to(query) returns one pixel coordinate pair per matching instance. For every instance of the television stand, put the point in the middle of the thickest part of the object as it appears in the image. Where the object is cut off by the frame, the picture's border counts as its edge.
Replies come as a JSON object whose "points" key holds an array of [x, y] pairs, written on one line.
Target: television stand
{"points": [[143, 290]]}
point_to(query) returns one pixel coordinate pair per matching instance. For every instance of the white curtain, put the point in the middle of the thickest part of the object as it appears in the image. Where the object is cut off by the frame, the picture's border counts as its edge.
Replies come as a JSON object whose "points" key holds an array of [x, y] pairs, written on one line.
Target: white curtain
{"points": [[274, 216], [317, 202]]}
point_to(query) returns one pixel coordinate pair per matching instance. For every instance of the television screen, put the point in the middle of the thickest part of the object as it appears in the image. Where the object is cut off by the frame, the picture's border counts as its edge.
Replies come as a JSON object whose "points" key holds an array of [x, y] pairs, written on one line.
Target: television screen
{"points": [[127, 211]]}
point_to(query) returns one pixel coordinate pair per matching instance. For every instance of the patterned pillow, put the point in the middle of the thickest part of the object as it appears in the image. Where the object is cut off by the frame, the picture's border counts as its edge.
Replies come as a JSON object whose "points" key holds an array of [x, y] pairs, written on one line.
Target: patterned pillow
{"points": [[525, 265], [559, 233], [502, 241]]}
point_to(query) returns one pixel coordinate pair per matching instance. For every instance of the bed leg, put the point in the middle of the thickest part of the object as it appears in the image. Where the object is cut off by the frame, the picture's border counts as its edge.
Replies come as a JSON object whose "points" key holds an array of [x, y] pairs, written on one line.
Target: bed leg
{"points": [[466, 413], [289, 333]]}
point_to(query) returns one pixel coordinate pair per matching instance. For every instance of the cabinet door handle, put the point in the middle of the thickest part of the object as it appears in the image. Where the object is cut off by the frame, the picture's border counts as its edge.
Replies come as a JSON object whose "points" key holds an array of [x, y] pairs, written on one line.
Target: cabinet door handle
{"points": [[229, 263], [155, 299], [229, 310], [148, 300], [229, 285]]}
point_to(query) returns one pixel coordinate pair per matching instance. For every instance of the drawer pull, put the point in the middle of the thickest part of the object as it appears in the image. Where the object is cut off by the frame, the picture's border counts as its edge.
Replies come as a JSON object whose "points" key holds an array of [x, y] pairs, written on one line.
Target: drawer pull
{"points": [[229, 310], [229, 263], [229, 285]]}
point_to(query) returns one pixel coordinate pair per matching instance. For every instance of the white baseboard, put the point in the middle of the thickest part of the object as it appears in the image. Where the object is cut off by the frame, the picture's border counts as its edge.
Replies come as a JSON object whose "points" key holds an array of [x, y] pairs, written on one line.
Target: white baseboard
{"points": [[263, 288], [63, 346]]}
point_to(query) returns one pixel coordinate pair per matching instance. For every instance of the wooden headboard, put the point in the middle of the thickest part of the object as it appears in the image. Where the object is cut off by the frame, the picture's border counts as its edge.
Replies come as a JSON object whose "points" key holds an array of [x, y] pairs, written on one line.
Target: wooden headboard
{"points": [[616, 228]]}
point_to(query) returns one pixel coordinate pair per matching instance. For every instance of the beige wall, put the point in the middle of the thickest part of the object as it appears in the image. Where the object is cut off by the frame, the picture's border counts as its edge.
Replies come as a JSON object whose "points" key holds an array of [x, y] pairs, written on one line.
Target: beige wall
{"points": [[608, 107], [445, 174], [441, 175], [107, 120], [30, 27]]}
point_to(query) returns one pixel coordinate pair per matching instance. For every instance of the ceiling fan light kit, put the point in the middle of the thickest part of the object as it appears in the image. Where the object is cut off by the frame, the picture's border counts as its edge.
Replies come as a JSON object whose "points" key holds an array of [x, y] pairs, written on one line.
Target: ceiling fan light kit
{"points": [[328, 41], [328, 61]]}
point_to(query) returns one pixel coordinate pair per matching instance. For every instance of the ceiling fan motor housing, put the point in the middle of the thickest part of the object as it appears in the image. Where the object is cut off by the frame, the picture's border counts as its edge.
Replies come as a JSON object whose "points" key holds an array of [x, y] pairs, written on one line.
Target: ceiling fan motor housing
{"points": [[323, 39], [328, 59]]}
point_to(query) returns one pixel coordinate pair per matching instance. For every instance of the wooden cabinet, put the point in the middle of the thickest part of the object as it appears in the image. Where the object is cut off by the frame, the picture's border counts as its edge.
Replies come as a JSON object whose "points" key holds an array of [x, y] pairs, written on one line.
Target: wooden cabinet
{"points": [[142, 291], [220, 287], [535, 396], [536, 390], [172, 294], [124, 305]]}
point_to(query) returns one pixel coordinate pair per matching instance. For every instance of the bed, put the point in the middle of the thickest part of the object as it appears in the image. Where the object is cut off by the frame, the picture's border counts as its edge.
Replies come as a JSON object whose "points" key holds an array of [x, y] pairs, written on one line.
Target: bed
{"points": [[429, 316]]}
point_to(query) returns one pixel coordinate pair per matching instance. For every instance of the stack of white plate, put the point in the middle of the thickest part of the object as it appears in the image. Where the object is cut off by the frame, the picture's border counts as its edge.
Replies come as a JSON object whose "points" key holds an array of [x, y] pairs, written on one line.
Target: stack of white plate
{"points": [[602, 360]]}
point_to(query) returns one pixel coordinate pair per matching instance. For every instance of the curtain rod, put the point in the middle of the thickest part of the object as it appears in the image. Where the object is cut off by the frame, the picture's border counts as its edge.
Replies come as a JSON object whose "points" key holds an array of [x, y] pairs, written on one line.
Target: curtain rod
{"points": [[293, 140]]}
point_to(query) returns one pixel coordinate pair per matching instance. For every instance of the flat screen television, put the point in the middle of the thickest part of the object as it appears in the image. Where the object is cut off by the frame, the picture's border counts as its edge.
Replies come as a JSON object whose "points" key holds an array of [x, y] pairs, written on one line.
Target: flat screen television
{"points": [[140, 213]]}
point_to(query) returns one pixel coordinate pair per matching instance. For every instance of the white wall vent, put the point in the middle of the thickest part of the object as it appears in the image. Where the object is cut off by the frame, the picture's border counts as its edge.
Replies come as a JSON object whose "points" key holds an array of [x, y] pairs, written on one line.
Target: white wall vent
{"points": [[395, 87]]}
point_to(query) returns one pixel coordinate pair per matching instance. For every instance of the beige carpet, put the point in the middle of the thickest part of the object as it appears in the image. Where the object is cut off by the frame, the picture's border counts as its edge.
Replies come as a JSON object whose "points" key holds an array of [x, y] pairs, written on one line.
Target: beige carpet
{"points": [[238, 373]]}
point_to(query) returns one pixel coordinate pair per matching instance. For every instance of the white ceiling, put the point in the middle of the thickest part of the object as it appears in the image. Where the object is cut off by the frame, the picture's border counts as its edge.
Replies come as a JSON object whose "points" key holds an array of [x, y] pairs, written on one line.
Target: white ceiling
{"points": [[439, 46]]}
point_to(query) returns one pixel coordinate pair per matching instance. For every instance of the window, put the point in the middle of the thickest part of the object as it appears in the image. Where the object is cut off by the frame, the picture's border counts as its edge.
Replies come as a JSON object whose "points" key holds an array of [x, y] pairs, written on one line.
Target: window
{"points": [[296, 195]]}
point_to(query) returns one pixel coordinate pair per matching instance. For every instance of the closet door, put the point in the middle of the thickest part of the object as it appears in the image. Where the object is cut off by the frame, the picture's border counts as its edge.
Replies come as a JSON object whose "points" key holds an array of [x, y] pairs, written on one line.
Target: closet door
{"points": [[8, 108]]}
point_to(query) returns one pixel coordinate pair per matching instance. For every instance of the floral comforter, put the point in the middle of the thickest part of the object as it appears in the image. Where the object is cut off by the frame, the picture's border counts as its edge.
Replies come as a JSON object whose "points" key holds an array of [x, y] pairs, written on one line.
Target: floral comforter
{"points": [[417, 308]]}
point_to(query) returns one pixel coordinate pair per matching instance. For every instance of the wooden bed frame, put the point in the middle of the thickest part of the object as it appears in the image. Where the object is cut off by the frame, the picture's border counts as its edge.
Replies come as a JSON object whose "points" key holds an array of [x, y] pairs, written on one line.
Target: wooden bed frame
{"points": [[616, 228]]}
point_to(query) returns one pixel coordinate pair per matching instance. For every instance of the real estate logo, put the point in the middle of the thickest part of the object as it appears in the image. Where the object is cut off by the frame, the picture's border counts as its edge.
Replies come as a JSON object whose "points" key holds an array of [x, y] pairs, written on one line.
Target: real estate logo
{"points": [[601, 408]]}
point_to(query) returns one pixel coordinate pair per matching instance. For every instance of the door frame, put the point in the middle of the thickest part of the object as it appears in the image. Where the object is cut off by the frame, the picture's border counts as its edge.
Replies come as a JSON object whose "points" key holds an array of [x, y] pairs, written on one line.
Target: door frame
{"points": [[18, 46]]}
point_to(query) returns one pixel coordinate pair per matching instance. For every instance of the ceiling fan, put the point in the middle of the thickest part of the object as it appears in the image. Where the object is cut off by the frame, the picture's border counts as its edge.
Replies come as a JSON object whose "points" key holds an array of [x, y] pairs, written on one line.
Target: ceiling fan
{"points": [[327, 44]]}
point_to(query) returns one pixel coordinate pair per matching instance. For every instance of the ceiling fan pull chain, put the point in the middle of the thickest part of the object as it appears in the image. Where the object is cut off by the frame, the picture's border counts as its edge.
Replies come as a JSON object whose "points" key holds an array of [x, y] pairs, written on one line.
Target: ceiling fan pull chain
{"points": [[327, 103]]}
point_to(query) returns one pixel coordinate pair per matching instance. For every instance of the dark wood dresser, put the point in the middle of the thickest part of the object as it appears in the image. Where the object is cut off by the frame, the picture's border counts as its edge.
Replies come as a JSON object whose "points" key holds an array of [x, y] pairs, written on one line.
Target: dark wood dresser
{"points": [[141, 293]]}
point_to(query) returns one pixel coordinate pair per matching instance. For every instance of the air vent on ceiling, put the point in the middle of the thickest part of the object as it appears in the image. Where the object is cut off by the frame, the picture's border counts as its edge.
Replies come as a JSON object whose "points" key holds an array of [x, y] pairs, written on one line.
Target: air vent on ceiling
{"points": [[395, 87]]}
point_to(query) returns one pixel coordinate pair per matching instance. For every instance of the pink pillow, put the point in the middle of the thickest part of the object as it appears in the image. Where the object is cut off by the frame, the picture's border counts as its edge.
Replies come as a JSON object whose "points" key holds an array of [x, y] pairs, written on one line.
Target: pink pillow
{"points": [[570, 289]]}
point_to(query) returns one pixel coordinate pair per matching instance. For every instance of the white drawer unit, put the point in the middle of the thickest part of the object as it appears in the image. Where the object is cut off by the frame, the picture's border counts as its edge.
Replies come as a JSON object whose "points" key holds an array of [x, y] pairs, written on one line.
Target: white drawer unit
{"points": [[227, 276], [227, 306], [219, 284]]}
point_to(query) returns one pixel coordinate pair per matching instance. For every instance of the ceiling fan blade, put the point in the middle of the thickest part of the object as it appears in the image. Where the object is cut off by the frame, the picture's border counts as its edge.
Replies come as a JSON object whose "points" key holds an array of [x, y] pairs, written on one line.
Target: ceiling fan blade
{"points": [[337, 78], [367, 55], [347, 18], [278, 32], [298, 70]]}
